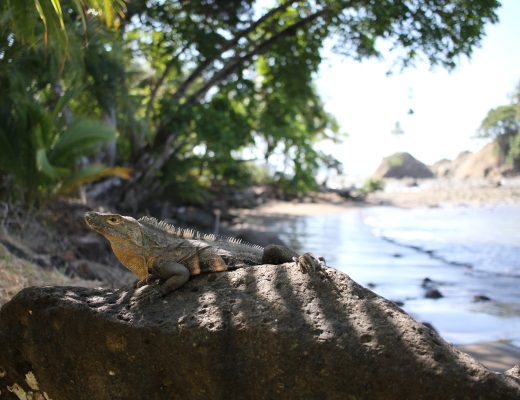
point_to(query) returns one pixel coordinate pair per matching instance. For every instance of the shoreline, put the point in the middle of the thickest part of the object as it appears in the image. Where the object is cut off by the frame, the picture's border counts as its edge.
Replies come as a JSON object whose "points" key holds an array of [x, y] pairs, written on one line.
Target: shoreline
{"points": [[408, 193], [401, 193], [499, 355]]}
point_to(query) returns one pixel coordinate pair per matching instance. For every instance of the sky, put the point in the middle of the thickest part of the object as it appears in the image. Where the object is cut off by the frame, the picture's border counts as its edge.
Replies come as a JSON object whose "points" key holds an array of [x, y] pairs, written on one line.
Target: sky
{"points": [[448, 106]]}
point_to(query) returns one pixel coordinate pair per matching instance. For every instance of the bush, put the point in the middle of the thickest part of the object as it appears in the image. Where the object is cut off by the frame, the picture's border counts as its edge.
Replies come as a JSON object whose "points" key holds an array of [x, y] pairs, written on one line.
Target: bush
{"points": [[372, 185]]}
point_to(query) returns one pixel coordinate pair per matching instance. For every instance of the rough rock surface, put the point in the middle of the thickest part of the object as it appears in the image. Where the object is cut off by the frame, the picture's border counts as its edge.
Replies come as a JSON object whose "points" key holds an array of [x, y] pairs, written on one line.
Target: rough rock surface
{"points": [[442, 168], [266, 332], [448, 168], [488, 162], [402, 165]]}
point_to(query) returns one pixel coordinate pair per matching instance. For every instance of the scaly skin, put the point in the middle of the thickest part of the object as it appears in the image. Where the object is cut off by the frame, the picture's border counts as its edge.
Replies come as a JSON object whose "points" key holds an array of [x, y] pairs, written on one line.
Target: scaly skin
{"points": [[151, 248]]}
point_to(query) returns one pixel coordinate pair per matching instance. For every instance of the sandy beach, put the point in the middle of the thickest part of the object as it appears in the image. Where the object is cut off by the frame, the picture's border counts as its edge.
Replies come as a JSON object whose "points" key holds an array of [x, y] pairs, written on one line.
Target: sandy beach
{"points": [[434, 192], [496, 355]]}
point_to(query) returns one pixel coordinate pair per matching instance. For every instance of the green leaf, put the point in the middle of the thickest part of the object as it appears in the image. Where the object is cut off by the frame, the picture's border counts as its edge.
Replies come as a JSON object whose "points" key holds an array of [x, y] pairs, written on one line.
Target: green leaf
{"points": [[109, 15], [43, 165], [80, 139], [53, 22], [92, 173], [57, 7], [65, 100]]}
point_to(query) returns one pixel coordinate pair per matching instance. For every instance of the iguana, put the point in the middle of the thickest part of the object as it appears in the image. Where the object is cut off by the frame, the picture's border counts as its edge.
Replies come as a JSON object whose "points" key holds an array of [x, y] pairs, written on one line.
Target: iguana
{"points": [[155, 249]]}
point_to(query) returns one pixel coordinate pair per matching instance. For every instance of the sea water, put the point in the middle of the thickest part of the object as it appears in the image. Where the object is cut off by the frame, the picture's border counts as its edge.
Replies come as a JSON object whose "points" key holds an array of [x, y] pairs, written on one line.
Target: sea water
{"points": [[465, 251]]}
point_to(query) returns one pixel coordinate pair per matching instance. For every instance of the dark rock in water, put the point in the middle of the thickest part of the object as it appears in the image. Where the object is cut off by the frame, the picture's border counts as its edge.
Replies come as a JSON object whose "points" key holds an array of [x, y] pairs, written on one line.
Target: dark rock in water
{"points": [[397, 255], [427, 283], [398, 303], [371, 285], [480, 297], [266, 332], [433, 294]]}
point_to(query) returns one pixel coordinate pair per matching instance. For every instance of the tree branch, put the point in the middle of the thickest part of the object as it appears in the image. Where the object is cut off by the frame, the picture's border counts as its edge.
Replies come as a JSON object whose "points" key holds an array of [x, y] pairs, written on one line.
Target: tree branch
{"points": [[197, 72], [166, 141], [161, 80], [181, 90], [262, 47]]}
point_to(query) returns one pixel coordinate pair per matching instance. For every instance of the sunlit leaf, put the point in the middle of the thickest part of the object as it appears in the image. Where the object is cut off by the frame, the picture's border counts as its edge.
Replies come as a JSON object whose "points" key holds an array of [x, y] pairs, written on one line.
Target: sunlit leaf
{"points": [[92, 173], [57, 7]]}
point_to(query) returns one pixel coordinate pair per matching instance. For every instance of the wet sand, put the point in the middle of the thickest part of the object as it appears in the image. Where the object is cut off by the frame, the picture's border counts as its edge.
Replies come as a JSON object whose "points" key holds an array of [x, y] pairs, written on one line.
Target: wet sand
{"points": [[496, 355], [434, 192]]}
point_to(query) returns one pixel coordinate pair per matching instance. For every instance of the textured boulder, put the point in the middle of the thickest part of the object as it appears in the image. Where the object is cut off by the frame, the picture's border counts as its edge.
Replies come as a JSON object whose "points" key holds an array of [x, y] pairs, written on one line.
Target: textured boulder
{"points": [[442, 168], [402, 165], [448, 168], [266, 332], [488, 162]]}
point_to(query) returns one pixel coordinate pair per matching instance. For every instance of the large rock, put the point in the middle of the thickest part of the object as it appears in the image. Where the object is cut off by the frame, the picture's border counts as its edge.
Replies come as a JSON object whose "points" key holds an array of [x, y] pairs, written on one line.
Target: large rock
{"points": [[266, 332], [402, 165], [488, 162], [447, 168]]}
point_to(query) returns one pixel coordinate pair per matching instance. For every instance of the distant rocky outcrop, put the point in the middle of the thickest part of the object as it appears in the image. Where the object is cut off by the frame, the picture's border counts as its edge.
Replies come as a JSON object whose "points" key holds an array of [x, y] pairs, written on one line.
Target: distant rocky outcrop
{"points": [[266, 332], [488, 162], [402, 165], [446, 168]]}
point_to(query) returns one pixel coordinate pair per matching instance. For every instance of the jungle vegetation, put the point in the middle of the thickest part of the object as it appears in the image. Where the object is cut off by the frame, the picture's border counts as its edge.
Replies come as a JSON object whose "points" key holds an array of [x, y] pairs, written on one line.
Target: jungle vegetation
{"points": [[176, 98], [502, 123]]}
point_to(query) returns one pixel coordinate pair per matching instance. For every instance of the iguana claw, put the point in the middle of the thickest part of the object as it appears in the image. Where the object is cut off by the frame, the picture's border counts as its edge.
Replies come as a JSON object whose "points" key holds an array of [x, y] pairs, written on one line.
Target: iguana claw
{"points": [[309, 263], [149, 293]]}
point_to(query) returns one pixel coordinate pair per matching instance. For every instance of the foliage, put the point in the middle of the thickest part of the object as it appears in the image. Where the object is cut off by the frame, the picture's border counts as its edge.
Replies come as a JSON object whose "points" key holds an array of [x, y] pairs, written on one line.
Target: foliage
{"points": [[193, 87], [503, 124], [224, 79], [41, 139], [395, 160], [21, 18], [372, 185]]}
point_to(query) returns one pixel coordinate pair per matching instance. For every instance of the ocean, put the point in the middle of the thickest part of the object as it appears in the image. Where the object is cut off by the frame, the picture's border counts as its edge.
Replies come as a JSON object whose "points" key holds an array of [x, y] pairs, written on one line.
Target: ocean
{"points": [[471, 254]]}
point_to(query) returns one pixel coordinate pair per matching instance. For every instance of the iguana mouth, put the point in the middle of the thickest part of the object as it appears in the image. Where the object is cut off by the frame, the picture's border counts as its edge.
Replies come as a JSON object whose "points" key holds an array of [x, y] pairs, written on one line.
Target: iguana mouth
{"points": [[90, 219], [95, 221]]}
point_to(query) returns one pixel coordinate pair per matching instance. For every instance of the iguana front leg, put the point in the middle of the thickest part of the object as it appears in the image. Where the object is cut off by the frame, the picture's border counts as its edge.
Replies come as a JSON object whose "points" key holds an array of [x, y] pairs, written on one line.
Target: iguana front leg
{"points": [[174, 274]]}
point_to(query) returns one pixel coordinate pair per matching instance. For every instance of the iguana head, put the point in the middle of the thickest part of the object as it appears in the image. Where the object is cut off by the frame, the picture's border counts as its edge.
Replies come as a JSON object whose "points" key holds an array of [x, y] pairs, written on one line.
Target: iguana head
{"points": [[115, 227]]}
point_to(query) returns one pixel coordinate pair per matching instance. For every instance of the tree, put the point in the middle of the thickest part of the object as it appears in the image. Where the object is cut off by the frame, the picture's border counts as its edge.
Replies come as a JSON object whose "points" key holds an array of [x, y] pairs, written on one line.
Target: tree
{"points": [[503, 124], [41, 137], [213, 65], [191, 84]]}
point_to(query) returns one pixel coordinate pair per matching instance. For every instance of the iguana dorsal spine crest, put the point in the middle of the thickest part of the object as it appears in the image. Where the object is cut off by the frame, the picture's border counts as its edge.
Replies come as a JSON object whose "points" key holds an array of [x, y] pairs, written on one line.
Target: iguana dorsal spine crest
{"points": [[188, 233]]}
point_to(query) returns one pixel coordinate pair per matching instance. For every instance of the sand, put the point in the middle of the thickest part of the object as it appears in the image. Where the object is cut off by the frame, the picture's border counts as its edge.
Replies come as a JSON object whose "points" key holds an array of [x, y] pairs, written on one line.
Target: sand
{"points": [[435, 192], [497, 356]]}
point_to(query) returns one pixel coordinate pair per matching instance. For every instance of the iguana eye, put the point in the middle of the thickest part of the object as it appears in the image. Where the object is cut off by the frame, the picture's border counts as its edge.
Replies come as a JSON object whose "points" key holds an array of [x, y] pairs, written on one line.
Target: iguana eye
{"points": [[114, 220]]}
